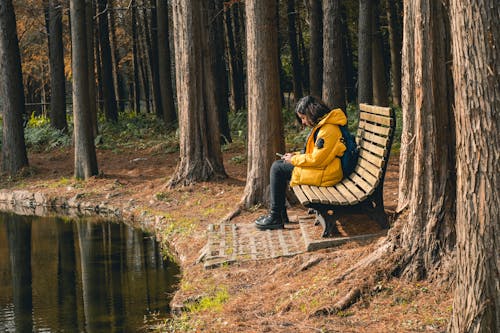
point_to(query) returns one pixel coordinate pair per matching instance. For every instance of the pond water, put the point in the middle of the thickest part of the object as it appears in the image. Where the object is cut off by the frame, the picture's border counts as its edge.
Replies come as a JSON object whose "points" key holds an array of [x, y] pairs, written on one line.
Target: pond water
{"points": [[80, 276]]}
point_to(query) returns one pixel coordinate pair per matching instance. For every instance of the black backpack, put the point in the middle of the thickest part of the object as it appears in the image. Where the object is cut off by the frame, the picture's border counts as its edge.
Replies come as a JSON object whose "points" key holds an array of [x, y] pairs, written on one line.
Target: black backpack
{"points": [[351, 154]]}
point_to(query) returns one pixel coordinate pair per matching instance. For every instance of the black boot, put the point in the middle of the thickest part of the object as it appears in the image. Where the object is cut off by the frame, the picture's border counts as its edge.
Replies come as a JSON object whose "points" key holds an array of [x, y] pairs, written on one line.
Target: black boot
{"points": [[284, 217], [271, 221]]}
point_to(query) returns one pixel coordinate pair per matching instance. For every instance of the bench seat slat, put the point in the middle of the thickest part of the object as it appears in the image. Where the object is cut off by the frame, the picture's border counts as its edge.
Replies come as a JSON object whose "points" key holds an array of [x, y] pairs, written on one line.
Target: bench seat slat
{"points": [[336, 194], [384, 111], [356, 191], [365, 126], [346, 194], [387, 121], [322, 198], [310, 194], [301, 195]]}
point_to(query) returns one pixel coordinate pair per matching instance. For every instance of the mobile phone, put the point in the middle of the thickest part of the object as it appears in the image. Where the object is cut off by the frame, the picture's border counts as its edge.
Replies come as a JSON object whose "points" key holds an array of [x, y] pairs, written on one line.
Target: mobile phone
{"points": [[280, 155]]}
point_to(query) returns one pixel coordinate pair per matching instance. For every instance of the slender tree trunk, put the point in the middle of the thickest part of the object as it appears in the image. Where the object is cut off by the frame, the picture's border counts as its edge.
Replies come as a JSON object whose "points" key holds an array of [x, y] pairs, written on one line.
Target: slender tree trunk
{"points": [[379, 80], [427, 235], [115, 58], [333, 65], [476, 69], [350, 72], [135, 56], [395, 40], [166, 89], [143, 63], [238, 76], [294, 50], [153, 55], [89, 13], [200, 154], [85, 156], [264, 109], [303, 54], [110, 109], [218, 65], [316, 48], [14, 156], [365, 90], [56, 60]]}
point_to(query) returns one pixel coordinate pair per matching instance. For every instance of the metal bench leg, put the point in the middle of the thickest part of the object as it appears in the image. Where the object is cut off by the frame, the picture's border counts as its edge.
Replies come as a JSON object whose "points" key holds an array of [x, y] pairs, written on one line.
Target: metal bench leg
{"points": [[327, 218]]}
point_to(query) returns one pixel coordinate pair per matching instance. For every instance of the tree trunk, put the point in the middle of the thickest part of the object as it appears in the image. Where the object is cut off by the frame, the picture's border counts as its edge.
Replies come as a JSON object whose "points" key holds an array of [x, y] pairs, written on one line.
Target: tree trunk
{"points": [[238, 33], [333, 65], [218, 65], [135, 56], [264, 109], [365, 90], [294, 50], [115, 58], [110, 109], [56, 60], [166, 89], [14, 156], [476, 69], [143, 63], [200, 154], [427, 235], [379, 80], [316, 48], [350, 72], [303, 53], [395, 40], [85, 156], [89, 17], [151, 38]]}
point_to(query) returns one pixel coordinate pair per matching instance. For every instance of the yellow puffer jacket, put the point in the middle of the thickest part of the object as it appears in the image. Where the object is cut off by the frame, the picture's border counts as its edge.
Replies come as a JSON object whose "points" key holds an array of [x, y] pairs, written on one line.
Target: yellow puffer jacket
{"points": [[320, 164]]}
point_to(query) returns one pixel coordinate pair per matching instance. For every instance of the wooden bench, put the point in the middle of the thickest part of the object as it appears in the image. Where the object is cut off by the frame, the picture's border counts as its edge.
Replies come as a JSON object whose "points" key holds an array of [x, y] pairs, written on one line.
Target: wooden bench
{"points": [[361, 191]]}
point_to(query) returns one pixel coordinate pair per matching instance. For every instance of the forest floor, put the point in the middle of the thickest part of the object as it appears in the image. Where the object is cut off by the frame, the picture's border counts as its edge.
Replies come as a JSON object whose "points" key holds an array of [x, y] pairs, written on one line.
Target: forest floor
{"points": [[272, 295]]}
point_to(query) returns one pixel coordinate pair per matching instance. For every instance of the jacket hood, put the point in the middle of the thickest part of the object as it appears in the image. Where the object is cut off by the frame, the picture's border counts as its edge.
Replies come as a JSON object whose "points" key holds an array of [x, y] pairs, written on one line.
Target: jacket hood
{"points": [[335, 117]]}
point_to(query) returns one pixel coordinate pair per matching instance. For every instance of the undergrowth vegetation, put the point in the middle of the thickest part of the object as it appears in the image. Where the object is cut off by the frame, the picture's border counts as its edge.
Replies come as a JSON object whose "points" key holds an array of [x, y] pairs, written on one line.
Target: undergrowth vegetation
{"points": [[141, 131]]}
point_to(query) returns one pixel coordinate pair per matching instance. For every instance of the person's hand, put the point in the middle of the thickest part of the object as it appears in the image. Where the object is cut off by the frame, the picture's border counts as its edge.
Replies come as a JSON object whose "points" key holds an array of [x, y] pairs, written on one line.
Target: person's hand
{"points": [[288, 157]]}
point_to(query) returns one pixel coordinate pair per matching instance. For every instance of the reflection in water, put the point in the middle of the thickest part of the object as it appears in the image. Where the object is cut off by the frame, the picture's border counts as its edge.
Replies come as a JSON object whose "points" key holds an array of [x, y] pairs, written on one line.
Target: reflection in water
{"points": [[60, 276]]}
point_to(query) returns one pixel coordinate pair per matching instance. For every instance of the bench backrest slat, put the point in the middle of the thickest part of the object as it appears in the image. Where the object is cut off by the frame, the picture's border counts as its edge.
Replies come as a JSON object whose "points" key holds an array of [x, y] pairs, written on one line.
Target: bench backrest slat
{"points": [[375, 118], [365, 126], [374, 138], [376, 150], [356, 191], [374, 159], [361, 183], [363, 173], [380, 110]]}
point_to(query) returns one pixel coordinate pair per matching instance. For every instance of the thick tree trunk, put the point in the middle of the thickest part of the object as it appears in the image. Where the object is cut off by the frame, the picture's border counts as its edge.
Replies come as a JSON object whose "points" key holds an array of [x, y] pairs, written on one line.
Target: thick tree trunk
{"points": [[333, 65], [264, 109], [56, 60], [200, 155], [110, 109], [476, 69], [365, 90], [294, 51], [165, 70], [395, 40], [85, 156], [379, 81], [316, 48], [14, 156], [427, 235]]}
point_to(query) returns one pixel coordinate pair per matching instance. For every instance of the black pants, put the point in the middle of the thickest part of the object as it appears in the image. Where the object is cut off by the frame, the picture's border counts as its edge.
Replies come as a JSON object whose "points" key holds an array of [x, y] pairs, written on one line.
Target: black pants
{"points": [[280, 175]]}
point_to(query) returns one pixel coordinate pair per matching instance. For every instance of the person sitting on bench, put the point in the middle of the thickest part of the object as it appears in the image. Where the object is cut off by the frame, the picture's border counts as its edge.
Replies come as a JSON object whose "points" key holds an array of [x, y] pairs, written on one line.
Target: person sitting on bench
{"points": [[318, 164]]}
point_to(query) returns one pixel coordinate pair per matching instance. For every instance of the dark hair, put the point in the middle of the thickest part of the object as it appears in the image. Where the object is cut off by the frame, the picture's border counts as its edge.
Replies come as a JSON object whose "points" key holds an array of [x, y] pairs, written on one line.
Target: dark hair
{"points": [[312, 107]]}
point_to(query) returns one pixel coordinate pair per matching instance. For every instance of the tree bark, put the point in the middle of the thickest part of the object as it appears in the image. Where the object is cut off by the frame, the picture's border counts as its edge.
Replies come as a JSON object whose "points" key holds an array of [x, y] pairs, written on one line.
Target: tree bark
{"points": [[56, 60], [476, 70], [200, 154], [316, 48], [110, 108], [14, 156], [85, 156], [294, 51], [93, 93], [427, 235], [151, 49], [365, 88], [135, 56], [165, 71], [264, 109], [395, 40], [333, 65], [115, 59]]}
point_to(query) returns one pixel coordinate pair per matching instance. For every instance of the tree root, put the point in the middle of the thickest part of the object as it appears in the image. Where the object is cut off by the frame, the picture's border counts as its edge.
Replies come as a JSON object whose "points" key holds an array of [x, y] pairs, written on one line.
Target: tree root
{"points": [[345, 302], [237, 211]]}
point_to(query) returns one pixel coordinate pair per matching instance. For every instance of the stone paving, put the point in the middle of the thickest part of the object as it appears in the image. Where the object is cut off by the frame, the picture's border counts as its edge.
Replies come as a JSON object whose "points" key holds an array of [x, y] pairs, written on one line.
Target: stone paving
{"points": [[236, 242]]}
